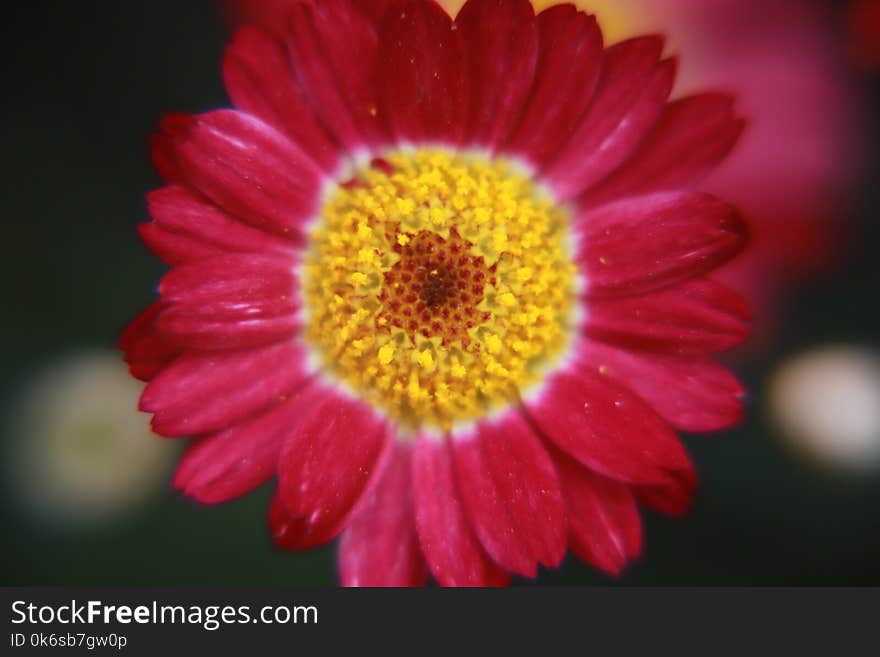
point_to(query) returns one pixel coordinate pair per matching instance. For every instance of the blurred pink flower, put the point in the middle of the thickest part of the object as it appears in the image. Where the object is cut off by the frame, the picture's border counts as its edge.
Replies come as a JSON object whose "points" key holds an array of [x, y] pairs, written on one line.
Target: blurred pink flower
{"points": [[798, 161]]}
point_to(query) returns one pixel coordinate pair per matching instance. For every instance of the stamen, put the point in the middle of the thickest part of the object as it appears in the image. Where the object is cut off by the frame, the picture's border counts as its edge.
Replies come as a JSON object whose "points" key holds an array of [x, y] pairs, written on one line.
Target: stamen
{"points": [[428, 291]]}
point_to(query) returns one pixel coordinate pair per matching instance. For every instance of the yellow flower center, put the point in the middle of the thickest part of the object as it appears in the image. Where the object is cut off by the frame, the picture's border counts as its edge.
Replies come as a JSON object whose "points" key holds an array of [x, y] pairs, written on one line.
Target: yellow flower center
{"points": [[439, 285]]}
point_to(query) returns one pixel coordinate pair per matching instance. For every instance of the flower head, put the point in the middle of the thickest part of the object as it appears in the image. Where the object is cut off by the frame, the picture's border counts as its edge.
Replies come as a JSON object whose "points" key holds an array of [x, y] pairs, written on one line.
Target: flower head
{"points": [[447, 282]]}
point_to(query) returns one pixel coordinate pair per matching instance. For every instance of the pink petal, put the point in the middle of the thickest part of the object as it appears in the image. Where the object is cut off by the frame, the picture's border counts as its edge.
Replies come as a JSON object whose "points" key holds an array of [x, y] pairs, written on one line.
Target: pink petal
{"points": [[146, 350], [453, 553], [288, 531], [607, 428], [697, 317], [423, 82], [260, 80], [501, 54], [569, 63], [162, 149], [373, 9], [174, 248], [327, 460], [379, 546], [512, 496], [191, 219], [692, 394], [230, 301], [231, 277], [692, 137], [246, 167], [630, 98], [223, 466], [333, 50], [210, 331], [649, 242], [674, 498], [204, 392], [605, 529]]}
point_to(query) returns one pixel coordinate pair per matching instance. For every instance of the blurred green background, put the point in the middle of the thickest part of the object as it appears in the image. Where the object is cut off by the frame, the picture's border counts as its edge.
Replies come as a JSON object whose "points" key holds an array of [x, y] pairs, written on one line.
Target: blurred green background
{"points": [[84, 85]]}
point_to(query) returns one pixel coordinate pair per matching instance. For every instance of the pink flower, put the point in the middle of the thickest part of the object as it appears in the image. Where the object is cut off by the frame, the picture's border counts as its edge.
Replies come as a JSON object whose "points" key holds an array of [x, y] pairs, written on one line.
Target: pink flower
{"points": [[447, 283]]}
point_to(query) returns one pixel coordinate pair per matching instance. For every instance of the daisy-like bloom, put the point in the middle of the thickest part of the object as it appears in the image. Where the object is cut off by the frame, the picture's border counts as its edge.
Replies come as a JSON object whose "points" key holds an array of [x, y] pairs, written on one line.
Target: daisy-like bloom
{"points": [[447, 282]]}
